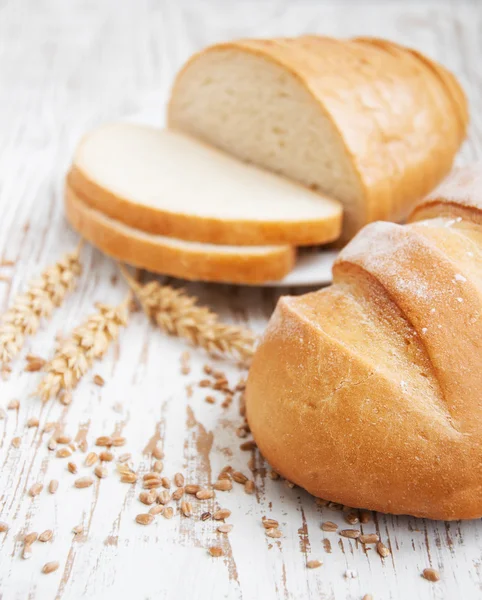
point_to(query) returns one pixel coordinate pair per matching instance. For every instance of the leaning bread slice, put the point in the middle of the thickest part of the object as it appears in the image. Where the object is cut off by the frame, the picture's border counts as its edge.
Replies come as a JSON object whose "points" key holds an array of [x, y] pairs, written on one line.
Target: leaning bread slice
{"points": [[167, 183], [170, 256]]}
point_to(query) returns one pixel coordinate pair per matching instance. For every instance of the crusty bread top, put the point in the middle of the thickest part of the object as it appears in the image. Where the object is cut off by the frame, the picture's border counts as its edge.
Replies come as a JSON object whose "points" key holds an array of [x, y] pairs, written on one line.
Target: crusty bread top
{"points": [[367, 393], [460, 196]]}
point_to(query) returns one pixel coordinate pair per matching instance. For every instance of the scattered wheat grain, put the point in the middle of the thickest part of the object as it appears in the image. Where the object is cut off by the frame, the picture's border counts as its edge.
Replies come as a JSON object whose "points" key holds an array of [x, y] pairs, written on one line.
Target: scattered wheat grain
{"points": [[168, 512], [91, 459], [249, 487], [144, 519], [204, 494], [186, 509], [63, 453], [382, 550], [274, 533], [158, 509], [221, 514], [178, 493], [350, 533], [50, 567], [98, 380], [46, 536], [223, 485], [35, 489], [369, 538], [431, 574], [101, 472], [30, 538], [270, 523], [238, 477], [83, 482], [104, 440]]}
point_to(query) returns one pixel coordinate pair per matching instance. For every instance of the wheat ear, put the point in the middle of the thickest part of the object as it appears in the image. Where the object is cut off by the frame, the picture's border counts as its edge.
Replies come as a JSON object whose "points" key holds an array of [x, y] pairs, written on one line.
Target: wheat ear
{"points": [[87, 343], [43, 295], [178, 314]]}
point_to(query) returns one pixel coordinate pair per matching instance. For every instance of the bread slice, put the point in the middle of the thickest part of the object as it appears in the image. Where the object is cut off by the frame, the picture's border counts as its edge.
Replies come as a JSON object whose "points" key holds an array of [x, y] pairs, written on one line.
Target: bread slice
{"points": [[170, 256], [166, 183], [367, 126]]}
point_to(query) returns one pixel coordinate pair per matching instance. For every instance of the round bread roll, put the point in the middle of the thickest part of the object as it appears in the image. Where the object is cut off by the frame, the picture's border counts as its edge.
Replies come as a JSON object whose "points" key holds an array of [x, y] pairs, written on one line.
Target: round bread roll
{"points": [[368, 393]]}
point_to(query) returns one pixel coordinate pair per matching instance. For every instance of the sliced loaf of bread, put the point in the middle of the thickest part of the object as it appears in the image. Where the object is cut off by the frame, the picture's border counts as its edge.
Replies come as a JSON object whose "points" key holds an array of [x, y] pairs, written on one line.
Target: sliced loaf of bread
{"points": [[170, 256], [370, 123], [167, 183]]}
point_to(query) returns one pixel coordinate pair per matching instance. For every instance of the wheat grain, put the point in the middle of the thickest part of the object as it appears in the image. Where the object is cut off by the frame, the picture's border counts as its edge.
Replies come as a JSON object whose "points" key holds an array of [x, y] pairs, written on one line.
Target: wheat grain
{"points": [[42, 296], [176, 313], [50, 567], [178, 493], [106, 456], [83, 482], [222, 513], [30, 538], [431, 575], [100, 472], [46, 536], [90, 459], [204, 494], [35, 489], [223, 485], [88, 342]]}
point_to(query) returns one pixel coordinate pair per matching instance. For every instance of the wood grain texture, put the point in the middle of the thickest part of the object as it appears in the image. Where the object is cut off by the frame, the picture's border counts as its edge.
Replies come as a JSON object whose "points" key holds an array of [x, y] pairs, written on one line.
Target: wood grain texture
{"points": [[65, 67]]}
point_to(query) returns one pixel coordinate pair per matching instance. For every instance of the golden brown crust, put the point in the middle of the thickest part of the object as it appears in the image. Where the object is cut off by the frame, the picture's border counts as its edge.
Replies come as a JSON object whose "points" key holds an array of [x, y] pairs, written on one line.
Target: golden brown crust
{"points": [[368, 393], [460, 196], [401, 117], [208, 230], [158, 255]]}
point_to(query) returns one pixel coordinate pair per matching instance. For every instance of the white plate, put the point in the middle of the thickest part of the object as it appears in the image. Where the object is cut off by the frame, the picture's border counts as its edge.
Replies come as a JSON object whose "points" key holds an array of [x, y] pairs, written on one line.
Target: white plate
{"points": [[313, 267]]}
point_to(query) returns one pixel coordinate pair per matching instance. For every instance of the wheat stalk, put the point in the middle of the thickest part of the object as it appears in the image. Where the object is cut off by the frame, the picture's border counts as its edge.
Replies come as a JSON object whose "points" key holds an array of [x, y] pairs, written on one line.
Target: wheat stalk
{"points": [[23, 318], [87, 343], [178, 314]]}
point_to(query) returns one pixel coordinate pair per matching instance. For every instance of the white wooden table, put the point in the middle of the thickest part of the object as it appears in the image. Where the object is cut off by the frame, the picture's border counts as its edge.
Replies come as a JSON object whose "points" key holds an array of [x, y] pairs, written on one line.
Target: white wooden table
{"points": [[64, 67]]}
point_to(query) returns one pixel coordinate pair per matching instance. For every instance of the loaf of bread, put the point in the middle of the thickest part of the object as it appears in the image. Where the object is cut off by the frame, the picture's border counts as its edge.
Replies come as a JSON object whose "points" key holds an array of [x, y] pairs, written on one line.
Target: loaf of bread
{"points": [[164, 182], [178, 258], [369, 393], [368, 122]]}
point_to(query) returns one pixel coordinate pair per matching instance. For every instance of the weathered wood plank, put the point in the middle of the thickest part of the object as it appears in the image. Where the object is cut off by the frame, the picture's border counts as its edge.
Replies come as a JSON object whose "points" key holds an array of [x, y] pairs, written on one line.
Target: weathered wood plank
{"points": [[63, 68]]}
